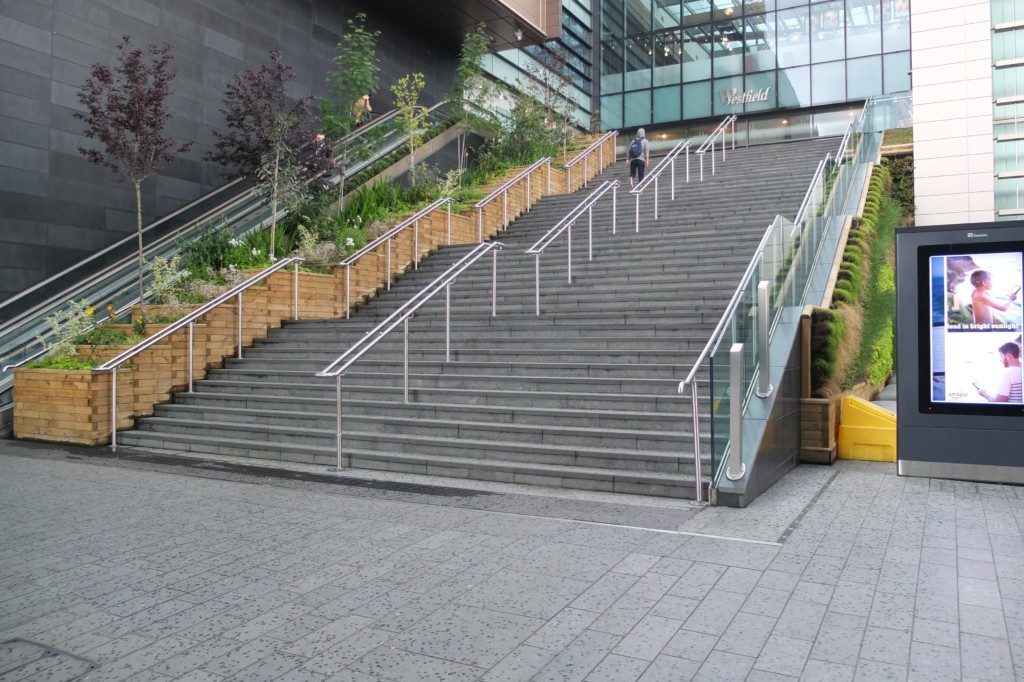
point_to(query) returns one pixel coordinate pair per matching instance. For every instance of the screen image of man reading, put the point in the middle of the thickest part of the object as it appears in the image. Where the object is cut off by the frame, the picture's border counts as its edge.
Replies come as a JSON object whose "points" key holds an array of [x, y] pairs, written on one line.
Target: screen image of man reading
{"points": [[1009, 388]]}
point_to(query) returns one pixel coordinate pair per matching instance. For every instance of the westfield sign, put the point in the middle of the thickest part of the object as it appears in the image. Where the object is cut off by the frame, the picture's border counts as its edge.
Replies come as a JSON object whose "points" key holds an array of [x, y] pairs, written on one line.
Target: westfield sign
{"points": [[733, 96]]}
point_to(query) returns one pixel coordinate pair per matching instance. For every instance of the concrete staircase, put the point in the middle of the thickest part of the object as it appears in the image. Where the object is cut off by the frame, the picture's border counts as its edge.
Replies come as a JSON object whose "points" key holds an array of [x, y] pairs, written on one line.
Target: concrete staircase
{"points": [[583, 396]]}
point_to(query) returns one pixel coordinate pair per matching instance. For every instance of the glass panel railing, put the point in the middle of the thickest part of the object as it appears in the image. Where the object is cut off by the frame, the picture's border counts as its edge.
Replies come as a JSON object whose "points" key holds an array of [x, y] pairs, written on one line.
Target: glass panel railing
{"points": [[795, 259], [116, 285]]}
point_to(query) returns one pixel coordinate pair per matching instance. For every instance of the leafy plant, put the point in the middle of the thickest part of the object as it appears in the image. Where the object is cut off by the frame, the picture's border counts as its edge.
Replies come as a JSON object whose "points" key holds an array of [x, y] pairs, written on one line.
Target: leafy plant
{"points": [[355, 75], [126, 111], [64, 332], [62, 362], [165, 275], [407, 94], [102, 336]]}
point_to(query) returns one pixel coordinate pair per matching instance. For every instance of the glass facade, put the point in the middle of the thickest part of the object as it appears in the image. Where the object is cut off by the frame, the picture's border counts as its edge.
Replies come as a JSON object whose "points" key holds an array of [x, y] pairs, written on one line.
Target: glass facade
{"points": [[514, 65], [679, 60], [1008, 114]]}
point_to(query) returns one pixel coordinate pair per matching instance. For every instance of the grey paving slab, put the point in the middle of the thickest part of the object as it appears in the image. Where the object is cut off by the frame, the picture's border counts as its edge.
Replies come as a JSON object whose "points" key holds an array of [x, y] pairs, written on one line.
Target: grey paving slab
{"points": [[186, 577]]}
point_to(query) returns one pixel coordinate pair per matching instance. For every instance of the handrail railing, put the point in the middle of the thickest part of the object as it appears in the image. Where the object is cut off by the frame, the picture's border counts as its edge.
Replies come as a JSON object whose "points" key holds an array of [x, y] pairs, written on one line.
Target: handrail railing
{"points": [[401, 316], [710, 142], [584, 156], [669, 161], [565, 224], [389, 236], [235, 292], [503, 191], [789, 269]]}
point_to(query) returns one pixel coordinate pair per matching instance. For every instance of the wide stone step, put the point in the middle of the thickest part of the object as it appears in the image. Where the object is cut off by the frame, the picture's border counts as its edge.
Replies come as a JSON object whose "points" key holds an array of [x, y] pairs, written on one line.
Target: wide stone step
{"points": [[521, 425], [436, 352], [622, 403], [654, 483], [473, 443]]}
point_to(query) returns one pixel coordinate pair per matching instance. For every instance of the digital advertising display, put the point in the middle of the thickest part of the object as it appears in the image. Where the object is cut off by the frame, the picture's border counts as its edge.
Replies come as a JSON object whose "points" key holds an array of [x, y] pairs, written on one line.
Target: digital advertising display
{"points": [[974, 341], [960, 413]]}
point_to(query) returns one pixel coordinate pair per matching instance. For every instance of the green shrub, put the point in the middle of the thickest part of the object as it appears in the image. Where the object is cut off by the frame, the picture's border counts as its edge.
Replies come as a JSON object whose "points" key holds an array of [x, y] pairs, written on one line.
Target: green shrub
{"points": [[61, 362]]}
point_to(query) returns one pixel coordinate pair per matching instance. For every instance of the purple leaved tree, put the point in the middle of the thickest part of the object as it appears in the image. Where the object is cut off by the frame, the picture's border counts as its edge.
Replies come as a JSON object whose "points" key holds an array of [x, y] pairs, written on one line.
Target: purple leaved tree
{"points": [[126, 112], [268, 134]]}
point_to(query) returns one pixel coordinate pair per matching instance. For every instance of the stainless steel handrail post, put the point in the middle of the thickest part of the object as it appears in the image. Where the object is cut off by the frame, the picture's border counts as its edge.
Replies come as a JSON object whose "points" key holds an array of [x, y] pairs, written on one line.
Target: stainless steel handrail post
{"points": [[504, 202], [698, 472], [712, 158], [637, 213], [569, 254], [586, 170], [549, 177], [568, 180], [764, 385], [448, 323], [480, 223], [590, 233], [239, 325], [348, 291], [687, 164], [494, 283], [337, 423], [736, 469], [673, 179], [295, 289], [191, 362], [449, 224], [700, 156], [536, 281], [615, 202], [388, 274], [656, 198], [416, 245], [113, 409], [405, 364], [529, 193]]}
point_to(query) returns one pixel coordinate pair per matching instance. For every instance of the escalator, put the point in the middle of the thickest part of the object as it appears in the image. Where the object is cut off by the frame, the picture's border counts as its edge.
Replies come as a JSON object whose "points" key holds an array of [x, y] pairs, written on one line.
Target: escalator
{"points": [[108, 278]]}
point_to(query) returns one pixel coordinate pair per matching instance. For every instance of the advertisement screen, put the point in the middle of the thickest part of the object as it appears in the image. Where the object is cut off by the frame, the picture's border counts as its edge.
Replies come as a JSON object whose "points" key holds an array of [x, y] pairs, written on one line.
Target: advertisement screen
{"points": [[974, 342]]}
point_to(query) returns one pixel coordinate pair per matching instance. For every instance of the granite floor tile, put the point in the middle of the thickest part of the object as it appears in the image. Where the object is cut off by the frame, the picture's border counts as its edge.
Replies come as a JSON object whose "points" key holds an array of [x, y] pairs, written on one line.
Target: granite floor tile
{"points": [[720, 665], [783, 655], [886, 645], [390, 663], [670, 669], [615, 668], [746, 634]]}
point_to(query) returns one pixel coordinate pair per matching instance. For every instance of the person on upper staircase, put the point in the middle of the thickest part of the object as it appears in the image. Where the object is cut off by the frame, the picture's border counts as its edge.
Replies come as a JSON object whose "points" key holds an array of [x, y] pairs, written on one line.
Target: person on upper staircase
{"points": [[362, 110], [638, 157]]}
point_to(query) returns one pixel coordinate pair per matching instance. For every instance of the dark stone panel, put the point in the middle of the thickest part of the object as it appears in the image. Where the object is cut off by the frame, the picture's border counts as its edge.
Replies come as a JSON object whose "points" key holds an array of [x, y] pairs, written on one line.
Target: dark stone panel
{"points": [[77, 52], [22, 255], [89, 10], [28, 11], [16, 279], [25, 84], [228, 25], [25, 59], [81, 30], [26, 35], [75, 237], [139, 9], [25, 108], [24, 132], [81, 192], [14, 155], [189, 9], [64, 95], [23, 181], [219, 42], [14, 231], [141, 31], [173, 188], [68, 143], [70, 73]]}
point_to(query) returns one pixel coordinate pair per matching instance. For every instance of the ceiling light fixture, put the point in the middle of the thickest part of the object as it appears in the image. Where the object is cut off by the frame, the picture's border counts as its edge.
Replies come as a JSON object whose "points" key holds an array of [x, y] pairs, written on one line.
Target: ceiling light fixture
{"points": [[519, 34]]}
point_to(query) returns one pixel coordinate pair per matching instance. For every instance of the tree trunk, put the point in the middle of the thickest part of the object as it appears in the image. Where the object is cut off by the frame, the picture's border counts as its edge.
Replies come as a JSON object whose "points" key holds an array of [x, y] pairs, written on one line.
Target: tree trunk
{"points": [[142, 262], [341, 184]]}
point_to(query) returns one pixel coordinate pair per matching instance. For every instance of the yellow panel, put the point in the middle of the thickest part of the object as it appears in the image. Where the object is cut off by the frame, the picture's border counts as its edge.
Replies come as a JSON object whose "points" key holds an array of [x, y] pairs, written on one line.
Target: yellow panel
{"points": [[867, 432]]}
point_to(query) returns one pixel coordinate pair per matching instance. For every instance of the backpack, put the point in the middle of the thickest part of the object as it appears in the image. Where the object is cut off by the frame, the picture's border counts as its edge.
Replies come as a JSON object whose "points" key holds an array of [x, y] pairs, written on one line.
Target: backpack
{"points": [[636, 148]]}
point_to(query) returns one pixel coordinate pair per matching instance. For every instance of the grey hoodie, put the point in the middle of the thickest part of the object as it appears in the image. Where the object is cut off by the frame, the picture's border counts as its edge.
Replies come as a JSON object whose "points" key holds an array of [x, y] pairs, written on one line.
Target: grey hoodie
{"points": [[645, 146]]}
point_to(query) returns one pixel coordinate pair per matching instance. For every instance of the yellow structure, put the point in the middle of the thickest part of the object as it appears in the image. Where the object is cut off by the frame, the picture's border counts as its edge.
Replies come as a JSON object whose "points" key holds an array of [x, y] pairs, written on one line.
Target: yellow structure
{"points": [[867, 432]]}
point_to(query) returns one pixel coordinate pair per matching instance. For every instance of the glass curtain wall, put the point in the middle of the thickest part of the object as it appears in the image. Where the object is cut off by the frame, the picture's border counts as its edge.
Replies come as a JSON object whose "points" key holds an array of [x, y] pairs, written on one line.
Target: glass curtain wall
{"points": [[1008, 115], [679, 60], [515, 65]]}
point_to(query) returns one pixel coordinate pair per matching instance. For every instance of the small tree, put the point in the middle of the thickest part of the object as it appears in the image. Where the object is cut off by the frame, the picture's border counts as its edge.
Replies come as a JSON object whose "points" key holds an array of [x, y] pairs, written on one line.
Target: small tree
{"points": [[407, 93], [255, 107], [281, 173], [268, 134], [355, 75], [550, 84], [471, 85], [126, 111]]}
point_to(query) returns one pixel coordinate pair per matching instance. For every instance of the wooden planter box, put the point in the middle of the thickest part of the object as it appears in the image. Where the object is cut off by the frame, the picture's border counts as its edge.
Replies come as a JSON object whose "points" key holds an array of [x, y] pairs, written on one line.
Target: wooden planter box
{"points": [[70, 406], [819, 424]]}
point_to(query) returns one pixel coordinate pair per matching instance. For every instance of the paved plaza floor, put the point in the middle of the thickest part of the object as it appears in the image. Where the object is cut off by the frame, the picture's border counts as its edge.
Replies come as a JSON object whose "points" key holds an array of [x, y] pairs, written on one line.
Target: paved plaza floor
{"points": [[150, 568]]}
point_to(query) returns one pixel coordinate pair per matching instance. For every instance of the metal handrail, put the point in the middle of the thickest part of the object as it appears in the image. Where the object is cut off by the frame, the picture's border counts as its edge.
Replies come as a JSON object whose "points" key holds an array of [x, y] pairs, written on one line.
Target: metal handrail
{"points": [[809, 195], [669, 160], [503, 191], [585, 157], [401, 316], [849, 129], [566, 223], [235, 292], [710, 142], [389, 236]]}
